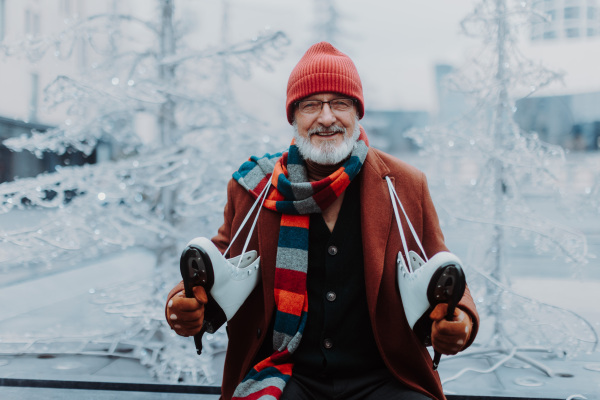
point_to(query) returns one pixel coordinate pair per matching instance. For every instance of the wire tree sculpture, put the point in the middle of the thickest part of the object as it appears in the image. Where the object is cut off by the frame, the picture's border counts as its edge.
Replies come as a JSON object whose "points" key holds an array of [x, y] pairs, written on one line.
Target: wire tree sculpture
{"points": [[163, 185], [327, 22], [505, 163]]}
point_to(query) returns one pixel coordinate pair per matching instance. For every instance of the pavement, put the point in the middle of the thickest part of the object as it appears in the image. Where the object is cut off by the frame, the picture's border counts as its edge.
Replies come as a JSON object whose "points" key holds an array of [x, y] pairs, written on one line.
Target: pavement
{"points": [[33, 377]]}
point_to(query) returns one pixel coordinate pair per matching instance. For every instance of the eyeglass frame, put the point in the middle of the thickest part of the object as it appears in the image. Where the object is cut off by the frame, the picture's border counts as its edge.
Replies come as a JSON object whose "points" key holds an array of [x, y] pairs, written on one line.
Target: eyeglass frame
{"points": [[297, 104]]}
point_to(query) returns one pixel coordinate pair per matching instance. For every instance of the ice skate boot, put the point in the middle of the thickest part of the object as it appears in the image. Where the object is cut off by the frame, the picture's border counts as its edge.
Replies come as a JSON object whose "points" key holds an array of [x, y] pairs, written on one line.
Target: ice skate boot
{"points": [[228, 281], [424, 287]]}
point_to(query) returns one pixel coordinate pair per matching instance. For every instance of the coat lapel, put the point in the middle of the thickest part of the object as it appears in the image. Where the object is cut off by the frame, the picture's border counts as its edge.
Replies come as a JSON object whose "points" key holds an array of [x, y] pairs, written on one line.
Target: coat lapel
{"points": [[376, 220]]}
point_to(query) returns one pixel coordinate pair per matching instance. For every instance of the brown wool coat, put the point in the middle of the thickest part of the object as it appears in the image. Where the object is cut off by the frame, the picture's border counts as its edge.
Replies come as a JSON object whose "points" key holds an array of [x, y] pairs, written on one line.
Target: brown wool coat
{"points": [[403, 353]]}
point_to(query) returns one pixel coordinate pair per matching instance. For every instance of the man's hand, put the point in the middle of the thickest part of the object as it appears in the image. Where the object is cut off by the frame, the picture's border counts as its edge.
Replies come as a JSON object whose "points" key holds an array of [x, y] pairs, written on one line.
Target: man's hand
{"points": [[186, 315], [449, 337]]}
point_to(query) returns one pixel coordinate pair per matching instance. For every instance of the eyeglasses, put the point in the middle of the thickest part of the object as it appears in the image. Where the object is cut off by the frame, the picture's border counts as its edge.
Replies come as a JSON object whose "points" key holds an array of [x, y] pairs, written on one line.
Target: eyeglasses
{"points": [[311, 107]]}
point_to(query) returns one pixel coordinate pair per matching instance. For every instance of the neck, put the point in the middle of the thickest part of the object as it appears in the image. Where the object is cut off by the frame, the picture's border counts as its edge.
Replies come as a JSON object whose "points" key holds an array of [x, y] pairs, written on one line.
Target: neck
{"points": [[316, 172]]}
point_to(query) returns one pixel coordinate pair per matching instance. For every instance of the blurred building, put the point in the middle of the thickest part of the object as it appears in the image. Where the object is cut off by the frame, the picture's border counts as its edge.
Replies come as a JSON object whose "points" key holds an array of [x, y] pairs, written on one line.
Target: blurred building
{"points": [[23, 74], [566, 19], [572, 121], [566, 112], [31, 62], [24, 164], [387, 129], [16, 164]]}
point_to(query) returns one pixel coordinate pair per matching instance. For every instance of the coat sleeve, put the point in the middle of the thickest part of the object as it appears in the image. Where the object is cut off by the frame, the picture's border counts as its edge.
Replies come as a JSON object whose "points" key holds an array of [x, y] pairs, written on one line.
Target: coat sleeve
{"points": [[213, 315], [433, 242]]}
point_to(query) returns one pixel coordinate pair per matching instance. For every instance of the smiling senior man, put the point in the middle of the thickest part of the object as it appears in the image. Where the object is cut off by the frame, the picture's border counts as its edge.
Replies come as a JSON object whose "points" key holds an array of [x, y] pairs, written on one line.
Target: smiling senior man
{"points": [[326, 320]]}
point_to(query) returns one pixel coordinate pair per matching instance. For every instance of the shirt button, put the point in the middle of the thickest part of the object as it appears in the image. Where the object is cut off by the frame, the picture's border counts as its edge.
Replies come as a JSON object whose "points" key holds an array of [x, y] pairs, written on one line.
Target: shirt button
{"points": [[331, 296], [332, 250], [328, 343]]}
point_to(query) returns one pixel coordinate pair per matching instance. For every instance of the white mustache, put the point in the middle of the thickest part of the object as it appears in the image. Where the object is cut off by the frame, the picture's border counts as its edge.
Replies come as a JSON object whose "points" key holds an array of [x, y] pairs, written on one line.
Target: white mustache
{"points": [[321, 129]]}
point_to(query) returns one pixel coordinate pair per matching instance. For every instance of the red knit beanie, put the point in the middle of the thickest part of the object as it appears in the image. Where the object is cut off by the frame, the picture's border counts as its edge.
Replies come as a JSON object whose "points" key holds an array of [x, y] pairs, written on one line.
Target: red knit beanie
{"points": [[323, 68]]}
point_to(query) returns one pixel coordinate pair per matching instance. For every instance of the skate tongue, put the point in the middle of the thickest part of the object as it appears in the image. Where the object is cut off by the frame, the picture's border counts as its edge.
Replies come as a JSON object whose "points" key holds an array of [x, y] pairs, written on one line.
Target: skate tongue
{"points": [[400, 263], [415, 261]]}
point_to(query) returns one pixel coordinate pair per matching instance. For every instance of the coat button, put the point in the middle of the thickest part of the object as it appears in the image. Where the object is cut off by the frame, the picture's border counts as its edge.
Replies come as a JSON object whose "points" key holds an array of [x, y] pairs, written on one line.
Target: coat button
{"points": [[332, 250], [328, 343], [331, 296], [258, 331]]}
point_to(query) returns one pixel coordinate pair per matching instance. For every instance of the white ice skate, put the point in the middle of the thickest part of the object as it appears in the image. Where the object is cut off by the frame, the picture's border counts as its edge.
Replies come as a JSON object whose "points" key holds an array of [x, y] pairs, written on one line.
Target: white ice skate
{"points": [[229, 281], [425, 284], [422, 288]]}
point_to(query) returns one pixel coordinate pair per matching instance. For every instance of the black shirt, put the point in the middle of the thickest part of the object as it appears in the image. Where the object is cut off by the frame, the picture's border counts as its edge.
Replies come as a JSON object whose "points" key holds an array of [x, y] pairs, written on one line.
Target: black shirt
{"points": [[337, 339]]}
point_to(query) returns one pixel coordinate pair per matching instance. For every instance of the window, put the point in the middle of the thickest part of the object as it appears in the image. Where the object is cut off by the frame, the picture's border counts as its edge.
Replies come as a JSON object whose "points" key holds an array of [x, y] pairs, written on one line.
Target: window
{"points": [[33, 97], [32, 23], [571, 12], [591, 32], [572, 32], [591, 13], [550, 35]]}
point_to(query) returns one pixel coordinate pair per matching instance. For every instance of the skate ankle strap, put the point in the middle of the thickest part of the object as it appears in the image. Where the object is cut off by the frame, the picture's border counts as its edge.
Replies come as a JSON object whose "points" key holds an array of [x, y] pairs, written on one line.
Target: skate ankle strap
{"points": [[262, 195], [395, 202]]}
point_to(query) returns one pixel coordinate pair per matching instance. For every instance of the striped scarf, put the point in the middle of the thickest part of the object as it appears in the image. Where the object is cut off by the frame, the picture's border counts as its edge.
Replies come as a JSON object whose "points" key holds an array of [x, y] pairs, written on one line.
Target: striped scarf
{"points": [[295, 198]]}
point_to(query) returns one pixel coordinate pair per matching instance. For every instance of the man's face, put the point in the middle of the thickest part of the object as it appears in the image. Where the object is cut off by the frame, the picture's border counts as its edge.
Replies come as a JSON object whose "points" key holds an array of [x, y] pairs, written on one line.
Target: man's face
{"points": [[326, 136]]}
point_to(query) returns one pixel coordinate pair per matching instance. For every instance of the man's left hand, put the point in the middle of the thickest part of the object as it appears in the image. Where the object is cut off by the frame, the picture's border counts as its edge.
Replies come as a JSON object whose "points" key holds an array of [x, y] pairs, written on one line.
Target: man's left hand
{"points": [[449, 337]]}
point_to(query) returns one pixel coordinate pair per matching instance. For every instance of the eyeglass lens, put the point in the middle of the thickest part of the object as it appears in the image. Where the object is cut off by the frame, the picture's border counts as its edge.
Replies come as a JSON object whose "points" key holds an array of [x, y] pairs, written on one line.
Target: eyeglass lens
{"points": [[315, 106]]}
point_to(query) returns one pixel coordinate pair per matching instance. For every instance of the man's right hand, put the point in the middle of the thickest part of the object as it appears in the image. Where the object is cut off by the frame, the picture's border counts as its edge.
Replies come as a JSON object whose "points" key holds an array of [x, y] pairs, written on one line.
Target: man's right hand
{"points": [[186, 315]]}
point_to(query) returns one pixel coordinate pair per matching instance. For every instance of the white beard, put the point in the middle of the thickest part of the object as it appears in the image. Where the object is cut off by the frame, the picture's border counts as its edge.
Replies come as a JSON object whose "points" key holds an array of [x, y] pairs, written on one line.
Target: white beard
{"points": [[327, 153]]}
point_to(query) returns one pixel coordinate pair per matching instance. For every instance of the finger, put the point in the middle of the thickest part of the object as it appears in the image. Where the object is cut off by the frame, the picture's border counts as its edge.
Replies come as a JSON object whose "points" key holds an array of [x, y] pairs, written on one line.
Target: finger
{"points": [[188, 325], [188, 332], [453, 328], [459, 315], [445, 347], [449, 337], [181, 317], [184, 304], [175, 296], [449, 341], [439, 312], [200, 295]]}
